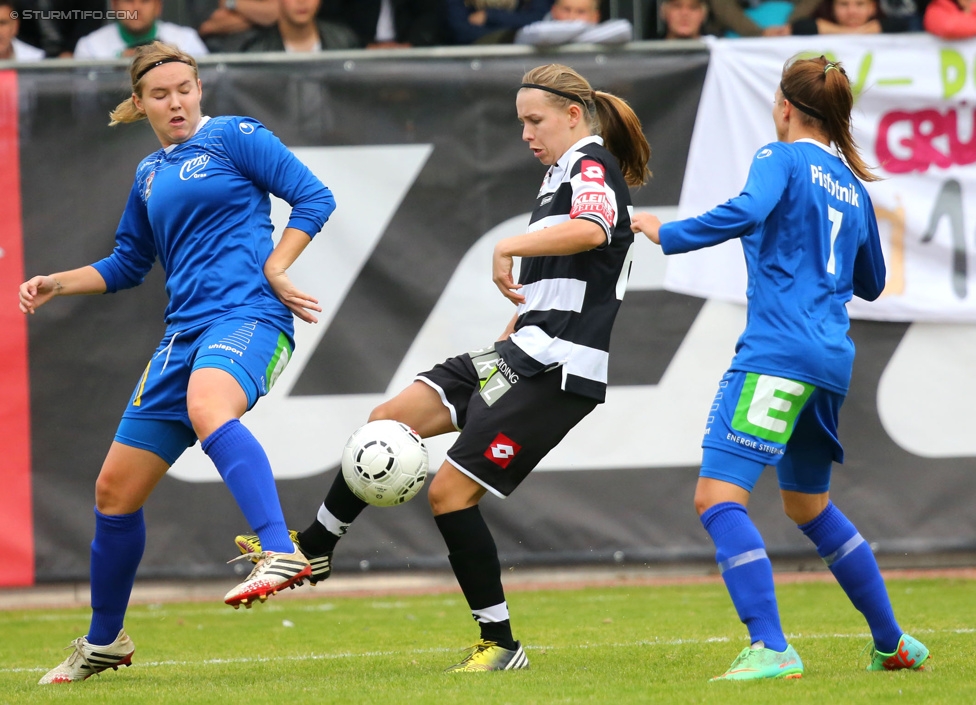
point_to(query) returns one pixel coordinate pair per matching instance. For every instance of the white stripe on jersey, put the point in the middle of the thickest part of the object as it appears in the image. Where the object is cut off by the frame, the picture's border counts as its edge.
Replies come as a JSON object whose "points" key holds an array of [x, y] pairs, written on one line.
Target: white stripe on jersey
{"points": [[588, 363], [553, 294], [577, 360]]}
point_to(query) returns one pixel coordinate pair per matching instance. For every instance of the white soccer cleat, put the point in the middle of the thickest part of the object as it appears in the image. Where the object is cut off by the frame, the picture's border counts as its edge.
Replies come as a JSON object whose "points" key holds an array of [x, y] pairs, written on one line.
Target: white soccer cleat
{"points": [[273, 571], [90, 659]]}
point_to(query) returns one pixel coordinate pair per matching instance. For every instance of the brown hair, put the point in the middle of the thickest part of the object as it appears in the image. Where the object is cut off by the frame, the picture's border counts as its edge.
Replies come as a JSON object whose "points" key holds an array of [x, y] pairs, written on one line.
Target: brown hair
{"points": [[821, 92], [146, 58], [607, 116]]}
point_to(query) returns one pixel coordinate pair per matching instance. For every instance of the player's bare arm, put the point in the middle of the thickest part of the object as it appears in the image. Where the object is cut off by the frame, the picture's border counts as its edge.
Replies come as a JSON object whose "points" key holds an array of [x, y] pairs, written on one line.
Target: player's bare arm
{"points": [[38, 290]]}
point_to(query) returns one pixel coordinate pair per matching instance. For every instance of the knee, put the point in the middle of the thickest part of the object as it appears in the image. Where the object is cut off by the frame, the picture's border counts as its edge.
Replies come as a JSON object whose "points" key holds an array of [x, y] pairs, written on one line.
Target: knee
{"points": [[438, 498], [802, 509], [202, 418], [383, 412], [445, 497], [702, 504], [109, 496]]}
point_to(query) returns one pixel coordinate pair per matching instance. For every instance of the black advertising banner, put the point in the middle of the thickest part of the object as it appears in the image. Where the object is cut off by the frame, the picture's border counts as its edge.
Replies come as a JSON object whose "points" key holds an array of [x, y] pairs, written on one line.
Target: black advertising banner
{"points": [[424, 155]]}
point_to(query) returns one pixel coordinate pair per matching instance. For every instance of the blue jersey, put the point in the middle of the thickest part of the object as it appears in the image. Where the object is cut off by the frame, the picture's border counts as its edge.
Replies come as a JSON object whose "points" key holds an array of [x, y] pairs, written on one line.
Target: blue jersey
{"points": [[810, 239], [203, 208]]}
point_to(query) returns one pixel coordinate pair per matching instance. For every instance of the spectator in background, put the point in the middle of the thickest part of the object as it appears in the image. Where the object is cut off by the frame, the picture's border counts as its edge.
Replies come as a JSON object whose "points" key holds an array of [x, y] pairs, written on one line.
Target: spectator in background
{"points": [[491, 21], [951, 19], [141, 26], [220, 23], [755, 18], [11, 48], [908, 10], [850, 17], [390, 24], [575, 21], [299, 30], [682, 19], [56, 25]]}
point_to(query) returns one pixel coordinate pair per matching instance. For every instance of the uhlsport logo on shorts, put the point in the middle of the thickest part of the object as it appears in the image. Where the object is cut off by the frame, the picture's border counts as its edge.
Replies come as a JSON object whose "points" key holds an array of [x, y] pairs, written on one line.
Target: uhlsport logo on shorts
{"points": [[502, 450]]}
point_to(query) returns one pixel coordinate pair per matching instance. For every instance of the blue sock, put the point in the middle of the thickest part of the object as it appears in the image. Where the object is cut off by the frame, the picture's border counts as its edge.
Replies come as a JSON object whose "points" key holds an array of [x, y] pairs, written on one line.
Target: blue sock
{"points": [[746, 570], [850, 559], [116, 551], [244, 466]]}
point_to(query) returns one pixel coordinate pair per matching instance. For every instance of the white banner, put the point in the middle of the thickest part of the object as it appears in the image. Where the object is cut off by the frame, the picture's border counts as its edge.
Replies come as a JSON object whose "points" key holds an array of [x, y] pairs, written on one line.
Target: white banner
{"points": [[913, 121]]}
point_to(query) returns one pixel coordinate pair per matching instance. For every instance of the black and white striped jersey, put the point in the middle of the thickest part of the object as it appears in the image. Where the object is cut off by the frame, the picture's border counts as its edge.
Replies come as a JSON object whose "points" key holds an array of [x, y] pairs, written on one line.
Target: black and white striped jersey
{"points": [[571, 300]]}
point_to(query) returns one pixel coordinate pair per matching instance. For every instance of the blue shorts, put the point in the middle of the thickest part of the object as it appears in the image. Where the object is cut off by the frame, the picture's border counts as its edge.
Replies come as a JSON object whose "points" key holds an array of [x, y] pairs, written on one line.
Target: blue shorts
{"points": [[758, 420], [254, 352]]}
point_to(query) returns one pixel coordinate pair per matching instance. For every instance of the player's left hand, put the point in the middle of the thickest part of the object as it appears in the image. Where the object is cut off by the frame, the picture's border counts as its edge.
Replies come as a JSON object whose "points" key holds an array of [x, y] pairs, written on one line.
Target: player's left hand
{"points": [[648, 224], [501, 273], [297, 301]]}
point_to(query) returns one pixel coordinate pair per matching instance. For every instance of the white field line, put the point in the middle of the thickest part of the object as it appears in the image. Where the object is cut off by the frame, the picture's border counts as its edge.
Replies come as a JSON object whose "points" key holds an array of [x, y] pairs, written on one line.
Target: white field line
{"points": [[417, 652]]}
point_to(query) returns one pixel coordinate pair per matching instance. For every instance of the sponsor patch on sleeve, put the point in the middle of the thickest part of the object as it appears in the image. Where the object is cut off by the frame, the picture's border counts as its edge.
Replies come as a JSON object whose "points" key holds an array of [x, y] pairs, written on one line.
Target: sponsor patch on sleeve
{"points": [[596, 203], [592, 171]]}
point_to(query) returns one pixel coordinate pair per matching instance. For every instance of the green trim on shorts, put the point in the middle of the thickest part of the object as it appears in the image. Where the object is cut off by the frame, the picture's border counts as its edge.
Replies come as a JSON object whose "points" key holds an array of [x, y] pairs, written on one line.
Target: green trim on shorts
{"points": [[768, 406], [279, 361]]}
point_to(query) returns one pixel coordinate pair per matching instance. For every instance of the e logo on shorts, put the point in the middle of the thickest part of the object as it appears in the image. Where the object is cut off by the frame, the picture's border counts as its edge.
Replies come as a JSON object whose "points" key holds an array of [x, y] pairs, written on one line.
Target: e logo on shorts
{"points": [[768, 406]]}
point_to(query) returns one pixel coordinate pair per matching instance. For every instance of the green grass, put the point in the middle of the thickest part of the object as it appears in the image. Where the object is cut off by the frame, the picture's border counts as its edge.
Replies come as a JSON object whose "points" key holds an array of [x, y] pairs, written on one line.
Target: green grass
{"points": [[600, 645]]}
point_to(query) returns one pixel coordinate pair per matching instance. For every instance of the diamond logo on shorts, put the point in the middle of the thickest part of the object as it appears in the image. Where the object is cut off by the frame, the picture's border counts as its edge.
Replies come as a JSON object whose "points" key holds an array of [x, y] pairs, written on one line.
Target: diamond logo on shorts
{"points": [[502, 450]]}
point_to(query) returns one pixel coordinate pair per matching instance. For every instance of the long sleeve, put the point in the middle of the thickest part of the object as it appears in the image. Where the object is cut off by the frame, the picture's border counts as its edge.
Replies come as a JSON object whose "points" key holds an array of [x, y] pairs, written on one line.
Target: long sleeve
{"points": [[263, 159], [869, 264], [738, 216], [803, 9], [135, 248], [729, 14]]}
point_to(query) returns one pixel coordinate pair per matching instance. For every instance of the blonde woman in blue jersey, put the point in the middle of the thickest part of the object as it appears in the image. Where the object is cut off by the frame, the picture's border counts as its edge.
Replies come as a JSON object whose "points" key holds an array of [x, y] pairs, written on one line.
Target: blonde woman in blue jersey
{"points": [[808, 231], [201, 206]]}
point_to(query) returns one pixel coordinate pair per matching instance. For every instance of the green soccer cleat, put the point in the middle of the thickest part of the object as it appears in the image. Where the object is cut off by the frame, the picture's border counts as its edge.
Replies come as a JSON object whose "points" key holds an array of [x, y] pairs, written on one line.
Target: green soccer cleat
{"points": [[321, 565], [911, 654], [755, 663], [489, 656]]}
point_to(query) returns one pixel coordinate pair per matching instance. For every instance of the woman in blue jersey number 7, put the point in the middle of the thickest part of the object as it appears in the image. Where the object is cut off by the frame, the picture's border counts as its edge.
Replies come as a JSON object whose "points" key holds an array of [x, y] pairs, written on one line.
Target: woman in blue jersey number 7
{"points": [[808, 231], [201, 206]]}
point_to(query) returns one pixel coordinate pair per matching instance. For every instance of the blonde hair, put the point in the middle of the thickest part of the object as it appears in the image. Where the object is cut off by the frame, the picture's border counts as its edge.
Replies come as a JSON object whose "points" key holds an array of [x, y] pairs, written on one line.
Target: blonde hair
{"points": [[607, 116], [147, 57]]}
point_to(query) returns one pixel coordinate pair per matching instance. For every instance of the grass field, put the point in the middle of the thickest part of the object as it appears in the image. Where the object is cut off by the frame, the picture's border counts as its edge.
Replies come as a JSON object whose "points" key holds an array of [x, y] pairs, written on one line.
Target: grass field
{"points": [[603, 645]]}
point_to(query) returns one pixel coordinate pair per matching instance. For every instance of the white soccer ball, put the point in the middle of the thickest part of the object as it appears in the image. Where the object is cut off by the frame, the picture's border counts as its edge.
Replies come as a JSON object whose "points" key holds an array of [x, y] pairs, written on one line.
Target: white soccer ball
{"points": [[385, 463]]}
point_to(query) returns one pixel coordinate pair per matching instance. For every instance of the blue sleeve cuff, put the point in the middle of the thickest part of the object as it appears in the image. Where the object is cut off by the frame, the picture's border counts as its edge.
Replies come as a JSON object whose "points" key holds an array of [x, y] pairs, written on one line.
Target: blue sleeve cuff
{"points": [[103, 268]]}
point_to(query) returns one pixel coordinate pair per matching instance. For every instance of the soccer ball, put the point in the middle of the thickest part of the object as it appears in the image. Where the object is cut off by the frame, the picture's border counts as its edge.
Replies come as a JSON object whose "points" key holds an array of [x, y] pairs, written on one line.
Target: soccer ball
{"points": [[385, 463]]}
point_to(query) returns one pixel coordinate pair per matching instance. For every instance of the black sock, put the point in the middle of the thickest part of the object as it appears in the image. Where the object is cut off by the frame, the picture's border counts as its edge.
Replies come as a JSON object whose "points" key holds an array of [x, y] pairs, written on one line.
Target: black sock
{"points": [[474, 558], [344, 506]]}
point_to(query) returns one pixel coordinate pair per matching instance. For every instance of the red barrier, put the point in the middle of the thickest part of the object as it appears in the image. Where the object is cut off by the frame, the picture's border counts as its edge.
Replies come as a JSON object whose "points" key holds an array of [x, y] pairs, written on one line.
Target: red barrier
{"points": [[16, 526]]}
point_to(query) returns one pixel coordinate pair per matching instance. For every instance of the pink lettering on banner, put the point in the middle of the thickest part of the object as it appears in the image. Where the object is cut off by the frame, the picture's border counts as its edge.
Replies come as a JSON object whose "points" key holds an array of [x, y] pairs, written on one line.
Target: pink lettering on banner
{"points": [[914, 141]]}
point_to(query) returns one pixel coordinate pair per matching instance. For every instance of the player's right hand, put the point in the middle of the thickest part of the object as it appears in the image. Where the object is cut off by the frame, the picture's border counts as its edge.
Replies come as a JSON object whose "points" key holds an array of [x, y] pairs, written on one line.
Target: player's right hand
{"points": [[648, 224], [36, 292]]}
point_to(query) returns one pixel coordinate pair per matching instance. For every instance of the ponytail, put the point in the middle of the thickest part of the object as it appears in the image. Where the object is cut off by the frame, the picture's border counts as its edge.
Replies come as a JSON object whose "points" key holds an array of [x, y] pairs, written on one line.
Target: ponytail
{"points": [[607, 115], [821, 91], [622, 134]]}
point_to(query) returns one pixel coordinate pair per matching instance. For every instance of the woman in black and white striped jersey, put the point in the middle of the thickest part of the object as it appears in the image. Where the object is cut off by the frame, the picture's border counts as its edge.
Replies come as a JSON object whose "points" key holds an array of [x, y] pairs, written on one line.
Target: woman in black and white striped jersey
{"points": [[513, 401]]}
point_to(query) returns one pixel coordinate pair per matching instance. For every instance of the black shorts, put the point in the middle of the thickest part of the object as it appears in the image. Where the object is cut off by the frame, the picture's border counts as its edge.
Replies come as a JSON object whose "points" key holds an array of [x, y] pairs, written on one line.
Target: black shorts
{"points": [[508, 423]]}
